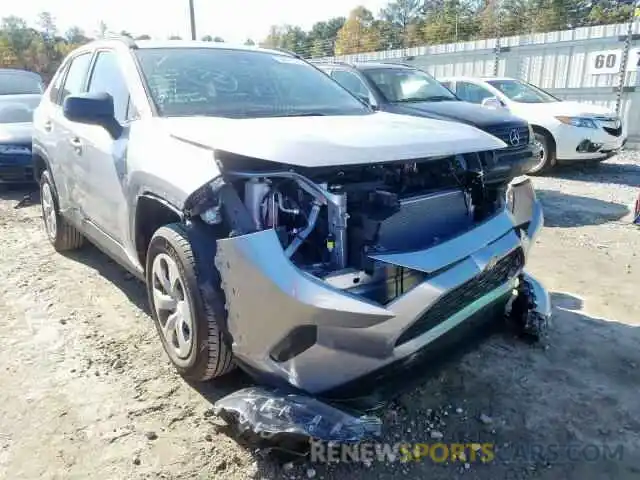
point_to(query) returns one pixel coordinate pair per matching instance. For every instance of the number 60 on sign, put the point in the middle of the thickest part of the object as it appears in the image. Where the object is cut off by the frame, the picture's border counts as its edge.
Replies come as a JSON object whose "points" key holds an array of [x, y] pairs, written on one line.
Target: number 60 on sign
{"points": [[609, 61]]}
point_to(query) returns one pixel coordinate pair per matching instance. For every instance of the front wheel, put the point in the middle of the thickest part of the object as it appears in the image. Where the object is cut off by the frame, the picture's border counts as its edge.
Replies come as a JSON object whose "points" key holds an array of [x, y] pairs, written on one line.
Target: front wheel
{"points": [[547, 153], [188, 325]]}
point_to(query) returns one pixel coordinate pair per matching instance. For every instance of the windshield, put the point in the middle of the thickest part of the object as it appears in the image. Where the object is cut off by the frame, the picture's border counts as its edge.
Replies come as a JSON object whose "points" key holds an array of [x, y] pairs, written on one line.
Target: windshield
{"points": [[20, 82], [522, 92], [240, 84], [18, 109], [407, 85]]}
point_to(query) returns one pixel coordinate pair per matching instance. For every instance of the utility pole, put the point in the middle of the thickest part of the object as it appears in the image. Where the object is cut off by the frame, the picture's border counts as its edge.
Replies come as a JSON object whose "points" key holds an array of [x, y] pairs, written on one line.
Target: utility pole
{"points": [[192, 18]]}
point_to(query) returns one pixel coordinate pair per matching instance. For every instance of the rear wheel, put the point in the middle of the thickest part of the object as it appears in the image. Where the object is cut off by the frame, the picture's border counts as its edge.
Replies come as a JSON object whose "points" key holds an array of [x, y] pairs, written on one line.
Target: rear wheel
{"points": [[188, 325], [62, 235], [547, 153]]}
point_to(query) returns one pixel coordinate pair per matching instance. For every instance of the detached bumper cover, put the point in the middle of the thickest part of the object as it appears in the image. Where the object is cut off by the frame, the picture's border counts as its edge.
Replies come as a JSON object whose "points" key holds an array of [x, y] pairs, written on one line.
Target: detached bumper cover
{"points": [[269, 299]]}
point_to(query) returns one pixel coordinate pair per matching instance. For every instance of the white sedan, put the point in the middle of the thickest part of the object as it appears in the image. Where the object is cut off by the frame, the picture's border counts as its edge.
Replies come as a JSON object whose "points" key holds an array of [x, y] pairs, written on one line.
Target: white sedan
{"points": [[563, 130]]}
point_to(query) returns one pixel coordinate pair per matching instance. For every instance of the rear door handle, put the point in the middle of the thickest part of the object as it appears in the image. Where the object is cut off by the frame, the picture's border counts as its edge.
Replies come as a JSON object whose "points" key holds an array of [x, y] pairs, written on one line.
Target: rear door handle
{"points": [[77, 145], [48, 126]]}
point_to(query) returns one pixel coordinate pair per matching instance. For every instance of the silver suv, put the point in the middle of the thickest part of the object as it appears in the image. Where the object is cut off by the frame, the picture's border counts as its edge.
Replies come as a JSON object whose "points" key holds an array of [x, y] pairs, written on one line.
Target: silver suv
{"points": [[279, 223]]}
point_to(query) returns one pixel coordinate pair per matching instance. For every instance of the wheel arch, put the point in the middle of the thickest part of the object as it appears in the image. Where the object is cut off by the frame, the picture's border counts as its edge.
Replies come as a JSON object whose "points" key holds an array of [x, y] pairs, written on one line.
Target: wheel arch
{"points": [[40, 162], [547, 133], [151, 213]]}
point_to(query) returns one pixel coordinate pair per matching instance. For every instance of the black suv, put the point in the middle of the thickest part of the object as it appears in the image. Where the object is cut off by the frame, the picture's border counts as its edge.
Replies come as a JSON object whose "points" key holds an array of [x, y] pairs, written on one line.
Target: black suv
{"points": [[406, 90]]}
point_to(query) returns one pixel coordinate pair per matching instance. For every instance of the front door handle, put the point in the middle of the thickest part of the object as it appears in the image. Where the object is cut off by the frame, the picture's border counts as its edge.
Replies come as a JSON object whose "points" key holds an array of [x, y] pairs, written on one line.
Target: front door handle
{"points": [[77, 145], [48, 126]]}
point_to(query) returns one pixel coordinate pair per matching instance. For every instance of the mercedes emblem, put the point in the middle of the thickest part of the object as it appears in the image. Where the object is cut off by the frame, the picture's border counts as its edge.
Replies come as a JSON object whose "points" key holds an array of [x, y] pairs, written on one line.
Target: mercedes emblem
{"points": [[514, 137]]}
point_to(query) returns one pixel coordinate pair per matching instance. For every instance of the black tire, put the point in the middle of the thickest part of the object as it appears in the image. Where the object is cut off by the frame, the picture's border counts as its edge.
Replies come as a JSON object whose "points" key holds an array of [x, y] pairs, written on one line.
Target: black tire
{"points": [[62, 235], [548, 153], [209, 355]]}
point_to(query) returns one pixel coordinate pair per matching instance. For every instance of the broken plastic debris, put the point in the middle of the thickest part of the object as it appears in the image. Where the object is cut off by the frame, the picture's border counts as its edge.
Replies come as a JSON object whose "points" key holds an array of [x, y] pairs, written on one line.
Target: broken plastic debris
{"points": [[273, 413]]}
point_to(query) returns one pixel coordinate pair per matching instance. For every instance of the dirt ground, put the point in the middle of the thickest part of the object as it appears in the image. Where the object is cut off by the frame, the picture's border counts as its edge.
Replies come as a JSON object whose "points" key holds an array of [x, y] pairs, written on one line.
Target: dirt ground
{"points": [[87, 393]]}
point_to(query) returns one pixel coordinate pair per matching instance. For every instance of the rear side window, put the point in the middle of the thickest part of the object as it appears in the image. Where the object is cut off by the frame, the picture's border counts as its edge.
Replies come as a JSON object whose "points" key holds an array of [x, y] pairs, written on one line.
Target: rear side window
{"points": [[75, 81], [107, 77]]}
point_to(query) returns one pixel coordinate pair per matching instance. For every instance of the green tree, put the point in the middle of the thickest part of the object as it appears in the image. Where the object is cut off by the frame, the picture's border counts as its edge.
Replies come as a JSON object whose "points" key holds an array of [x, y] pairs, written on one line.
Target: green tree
{"points": [[322, 37], [397, 17], [455, 21], [287, 37], [75, 35], [360, 33], [207, 38], [549, 15], [47, 25], [249, 42]]}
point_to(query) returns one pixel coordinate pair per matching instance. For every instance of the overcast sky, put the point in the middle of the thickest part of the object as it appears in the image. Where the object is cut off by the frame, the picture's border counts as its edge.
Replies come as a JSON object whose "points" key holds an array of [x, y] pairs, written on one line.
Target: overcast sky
{"points": [[233, 20]]}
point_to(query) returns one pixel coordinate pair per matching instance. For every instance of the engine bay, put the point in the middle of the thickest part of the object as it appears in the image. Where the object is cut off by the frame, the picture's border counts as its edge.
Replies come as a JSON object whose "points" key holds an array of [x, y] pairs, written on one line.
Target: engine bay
{"points": [[331, 221]]}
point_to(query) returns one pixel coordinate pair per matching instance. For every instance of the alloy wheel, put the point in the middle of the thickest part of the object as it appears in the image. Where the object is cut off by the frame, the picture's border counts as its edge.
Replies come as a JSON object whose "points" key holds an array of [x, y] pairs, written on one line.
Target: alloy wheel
{"points": [[542, 155], [49, 211], [172, 308]]}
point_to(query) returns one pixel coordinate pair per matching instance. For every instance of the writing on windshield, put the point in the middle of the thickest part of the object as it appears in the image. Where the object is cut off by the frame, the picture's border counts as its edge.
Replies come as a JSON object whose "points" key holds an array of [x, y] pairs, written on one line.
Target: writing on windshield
{"points": [[240, 83]]}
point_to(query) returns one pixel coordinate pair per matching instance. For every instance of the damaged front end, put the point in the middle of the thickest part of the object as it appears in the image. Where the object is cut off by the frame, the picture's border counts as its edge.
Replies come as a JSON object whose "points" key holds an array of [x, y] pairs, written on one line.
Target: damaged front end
{"points": [[333, 275]]}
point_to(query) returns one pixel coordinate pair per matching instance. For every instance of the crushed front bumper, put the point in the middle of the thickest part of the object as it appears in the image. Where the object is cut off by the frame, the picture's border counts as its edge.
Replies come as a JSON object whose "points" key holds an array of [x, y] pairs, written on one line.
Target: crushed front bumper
{"points": [[332, 337]]}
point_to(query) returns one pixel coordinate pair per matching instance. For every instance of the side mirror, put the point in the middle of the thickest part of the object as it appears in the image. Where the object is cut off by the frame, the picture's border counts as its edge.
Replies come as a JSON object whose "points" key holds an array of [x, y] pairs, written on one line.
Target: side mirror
{"points": [[492, 102], [93, 109]]}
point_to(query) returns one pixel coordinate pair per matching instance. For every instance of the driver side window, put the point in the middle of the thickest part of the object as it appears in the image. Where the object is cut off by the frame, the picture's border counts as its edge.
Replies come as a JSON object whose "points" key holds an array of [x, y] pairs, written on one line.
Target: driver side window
{"points": [[107, 77], [470, 92]]}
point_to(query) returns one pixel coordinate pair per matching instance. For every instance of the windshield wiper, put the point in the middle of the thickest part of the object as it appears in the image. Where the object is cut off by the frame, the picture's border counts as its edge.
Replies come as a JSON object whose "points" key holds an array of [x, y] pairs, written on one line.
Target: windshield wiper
{"points": [[302, 114], [435, 98]]}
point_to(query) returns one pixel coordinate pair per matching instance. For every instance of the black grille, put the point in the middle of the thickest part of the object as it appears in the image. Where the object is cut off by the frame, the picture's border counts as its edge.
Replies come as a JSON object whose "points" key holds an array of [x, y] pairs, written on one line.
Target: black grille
{"points": [[15, 174], [467, 293], [616, 132], [504, 134]]}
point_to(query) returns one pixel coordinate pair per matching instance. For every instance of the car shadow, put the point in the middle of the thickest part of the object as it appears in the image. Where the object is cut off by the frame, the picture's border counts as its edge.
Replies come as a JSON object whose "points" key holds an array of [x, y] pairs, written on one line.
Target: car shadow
{"points": [[564, 210], [607, 172], [23, 194], [128, 284], [580, 367]]}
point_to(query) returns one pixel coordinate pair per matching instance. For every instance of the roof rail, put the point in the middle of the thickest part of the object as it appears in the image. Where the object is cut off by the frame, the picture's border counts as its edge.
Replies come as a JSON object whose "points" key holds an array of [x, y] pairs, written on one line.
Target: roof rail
{"points": [[332, 62], [387, 62], [126, 39]]}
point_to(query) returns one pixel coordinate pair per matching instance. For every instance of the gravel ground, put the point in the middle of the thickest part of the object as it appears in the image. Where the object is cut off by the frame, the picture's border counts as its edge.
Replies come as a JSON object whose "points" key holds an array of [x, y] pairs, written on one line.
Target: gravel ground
{"points": [[87, 392]]}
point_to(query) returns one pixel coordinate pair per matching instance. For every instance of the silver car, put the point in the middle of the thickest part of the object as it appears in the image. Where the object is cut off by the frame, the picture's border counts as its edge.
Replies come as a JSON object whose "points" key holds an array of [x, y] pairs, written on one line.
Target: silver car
{"points": [[279, 223]]}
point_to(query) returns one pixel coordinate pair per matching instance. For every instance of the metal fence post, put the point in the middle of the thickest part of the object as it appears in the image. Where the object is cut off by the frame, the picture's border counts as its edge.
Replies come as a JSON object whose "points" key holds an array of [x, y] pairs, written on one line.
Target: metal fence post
{"points": [[498, 47], [622, 75]]}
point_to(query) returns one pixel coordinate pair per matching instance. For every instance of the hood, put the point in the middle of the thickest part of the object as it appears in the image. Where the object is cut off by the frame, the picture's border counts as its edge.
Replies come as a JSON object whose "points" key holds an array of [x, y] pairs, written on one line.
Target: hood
{"points": [[575, 109], [15, 132], [333, 140], [459, 111]]}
